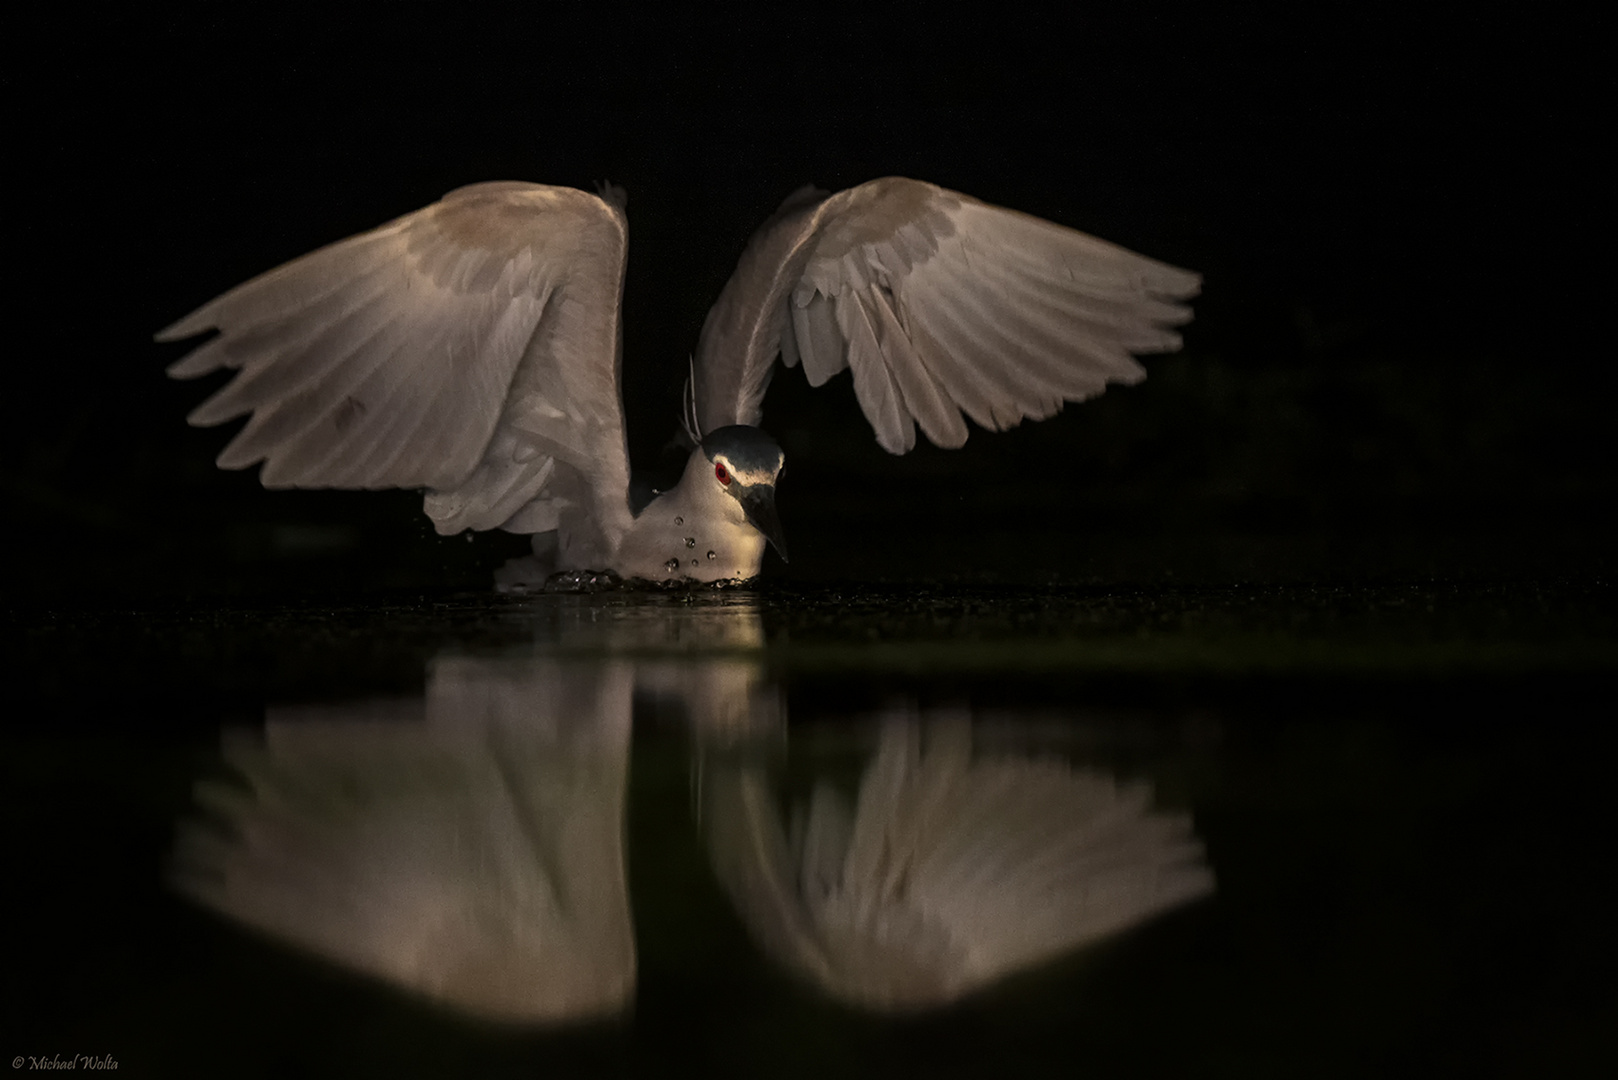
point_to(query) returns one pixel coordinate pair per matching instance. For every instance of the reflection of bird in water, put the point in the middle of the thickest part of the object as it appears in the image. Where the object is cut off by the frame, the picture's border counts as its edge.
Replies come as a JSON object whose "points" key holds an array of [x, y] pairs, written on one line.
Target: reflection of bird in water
{"points": [[948, 871], [468, 847], [472, 349]]}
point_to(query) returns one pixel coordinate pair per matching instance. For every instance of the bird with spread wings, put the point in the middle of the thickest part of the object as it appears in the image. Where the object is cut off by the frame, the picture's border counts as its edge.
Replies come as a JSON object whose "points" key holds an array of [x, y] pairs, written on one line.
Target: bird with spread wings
{"points": [[472, 349]]}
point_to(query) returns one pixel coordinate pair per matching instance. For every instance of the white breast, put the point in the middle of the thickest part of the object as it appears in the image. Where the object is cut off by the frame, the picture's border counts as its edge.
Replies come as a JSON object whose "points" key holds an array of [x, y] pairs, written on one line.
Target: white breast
{"points": [[695, 532], [673, 540]]}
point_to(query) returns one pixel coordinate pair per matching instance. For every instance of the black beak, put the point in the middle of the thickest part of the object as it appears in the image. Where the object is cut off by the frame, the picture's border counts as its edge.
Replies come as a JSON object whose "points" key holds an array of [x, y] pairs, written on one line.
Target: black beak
{"points": [[758, 503]]}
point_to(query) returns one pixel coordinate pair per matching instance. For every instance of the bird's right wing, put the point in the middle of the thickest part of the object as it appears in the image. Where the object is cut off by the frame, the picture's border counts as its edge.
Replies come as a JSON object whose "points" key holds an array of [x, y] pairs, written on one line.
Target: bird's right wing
{"points": [[470, 348], [940, 304]]}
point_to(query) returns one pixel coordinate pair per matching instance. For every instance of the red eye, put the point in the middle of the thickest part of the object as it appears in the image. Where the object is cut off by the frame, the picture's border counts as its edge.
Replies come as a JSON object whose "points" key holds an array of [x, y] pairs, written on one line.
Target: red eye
{"points": [[722, 473]]}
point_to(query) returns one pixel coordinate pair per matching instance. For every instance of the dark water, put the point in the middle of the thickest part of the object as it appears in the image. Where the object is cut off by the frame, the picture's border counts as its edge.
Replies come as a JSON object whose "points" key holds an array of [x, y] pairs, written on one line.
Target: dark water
{"points": [[1261, 830]]}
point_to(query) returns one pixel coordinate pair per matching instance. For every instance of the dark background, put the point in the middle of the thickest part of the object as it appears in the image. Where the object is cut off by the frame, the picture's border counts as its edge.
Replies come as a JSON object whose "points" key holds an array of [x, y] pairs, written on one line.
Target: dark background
{"points": [[1348, 550], [1394, 370]]}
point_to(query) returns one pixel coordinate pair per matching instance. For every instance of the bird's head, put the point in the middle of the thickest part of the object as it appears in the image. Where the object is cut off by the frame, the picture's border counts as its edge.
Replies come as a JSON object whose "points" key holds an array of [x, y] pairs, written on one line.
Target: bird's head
{"points": [[746, 463]]}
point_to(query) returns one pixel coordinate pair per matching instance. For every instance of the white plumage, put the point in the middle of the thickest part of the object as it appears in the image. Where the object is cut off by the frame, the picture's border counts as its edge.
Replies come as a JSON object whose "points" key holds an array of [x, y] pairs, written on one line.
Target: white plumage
{"points": [[472, 349]]}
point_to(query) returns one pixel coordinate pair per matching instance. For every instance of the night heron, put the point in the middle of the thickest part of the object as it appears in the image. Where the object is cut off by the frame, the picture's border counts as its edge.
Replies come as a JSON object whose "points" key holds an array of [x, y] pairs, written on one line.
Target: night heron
{"points": [[473, 349]]}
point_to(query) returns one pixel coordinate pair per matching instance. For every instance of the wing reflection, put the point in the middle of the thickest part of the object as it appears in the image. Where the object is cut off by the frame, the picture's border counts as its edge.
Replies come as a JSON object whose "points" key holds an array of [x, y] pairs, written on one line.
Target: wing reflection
{"points": [[948, 871], [468, 846]]}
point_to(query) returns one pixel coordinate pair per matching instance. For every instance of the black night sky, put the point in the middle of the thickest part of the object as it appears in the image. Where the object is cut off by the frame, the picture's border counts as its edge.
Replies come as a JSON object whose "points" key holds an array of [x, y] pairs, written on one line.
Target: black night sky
{"points": [[1398, 218]]}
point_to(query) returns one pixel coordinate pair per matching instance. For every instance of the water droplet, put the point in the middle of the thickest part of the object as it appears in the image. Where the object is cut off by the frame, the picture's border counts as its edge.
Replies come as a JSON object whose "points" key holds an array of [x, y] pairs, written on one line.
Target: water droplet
{"points": [[672, 565], [690, 541], [679, 521], [693, 562], [711, 555]]}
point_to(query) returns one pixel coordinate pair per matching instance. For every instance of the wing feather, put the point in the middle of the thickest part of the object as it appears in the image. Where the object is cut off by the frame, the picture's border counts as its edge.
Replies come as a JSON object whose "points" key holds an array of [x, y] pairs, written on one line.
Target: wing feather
{"points": [[873, 379], [941, 305], [973, 390], [927, 401], [289, 427], [414, 354], [818, 339], [1018, 391], [1074, 368], [790, 356]]}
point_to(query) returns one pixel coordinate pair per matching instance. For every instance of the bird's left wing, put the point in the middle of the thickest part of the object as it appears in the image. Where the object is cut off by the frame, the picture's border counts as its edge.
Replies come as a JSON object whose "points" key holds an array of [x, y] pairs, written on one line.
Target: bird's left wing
{"points": [[470, 348], [940, 304]]}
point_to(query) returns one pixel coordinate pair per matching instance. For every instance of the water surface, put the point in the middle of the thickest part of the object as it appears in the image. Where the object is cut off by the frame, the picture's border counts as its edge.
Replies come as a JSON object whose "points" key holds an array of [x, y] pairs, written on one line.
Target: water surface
{"points": [[1245, 830]]}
